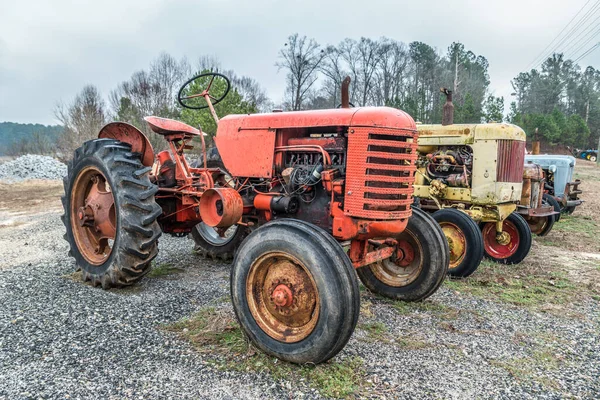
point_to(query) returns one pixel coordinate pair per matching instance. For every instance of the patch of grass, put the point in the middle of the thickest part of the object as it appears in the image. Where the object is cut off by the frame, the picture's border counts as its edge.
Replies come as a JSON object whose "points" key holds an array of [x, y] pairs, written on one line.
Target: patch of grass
{"points": [[439, 310], [518, 285], [164, 269], [376, 331], [525, 368], [412, 343], [216, 333], [577, 224]]}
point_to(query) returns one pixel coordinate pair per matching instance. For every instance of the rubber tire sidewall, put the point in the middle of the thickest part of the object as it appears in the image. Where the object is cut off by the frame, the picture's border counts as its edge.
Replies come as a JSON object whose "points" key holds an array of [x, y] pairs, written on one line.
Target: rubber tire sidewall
{"points": [[525, 241], [86, 161], [473, 238], [435, 260], [554, 203], [332, 271]]}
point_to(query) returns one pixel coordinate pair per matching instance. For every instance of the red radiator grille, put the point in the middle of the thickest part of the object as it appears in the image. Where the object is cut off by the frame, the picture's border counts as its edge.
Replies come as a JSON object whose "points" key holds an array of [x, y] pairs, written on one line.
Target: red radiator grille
{"points": [[380, 172], [511, 157]]}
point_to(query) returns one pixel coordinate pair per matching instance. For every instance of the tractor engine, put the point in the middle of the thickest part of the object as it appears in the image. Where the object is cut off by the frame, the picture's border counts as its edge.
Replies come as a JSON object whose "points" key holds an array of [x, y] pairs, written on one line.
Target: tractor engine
{"points": [[298, 167], [452, 166]]}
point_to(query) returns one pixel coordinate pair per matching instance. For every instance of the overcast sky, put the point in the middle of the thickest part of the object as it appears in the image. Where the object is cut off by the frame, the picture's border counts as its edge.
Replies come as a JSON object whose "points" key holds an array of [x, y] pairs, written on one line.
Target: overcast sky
{"points": [[50, 49]]}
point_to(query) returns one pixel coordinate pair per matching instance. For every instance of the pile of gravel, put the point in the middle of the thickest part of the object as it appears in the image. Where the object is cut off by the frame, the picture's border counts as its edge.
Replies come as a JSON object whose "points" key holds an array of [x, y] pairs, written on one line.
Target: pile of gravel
{"points": [[32, 166]]}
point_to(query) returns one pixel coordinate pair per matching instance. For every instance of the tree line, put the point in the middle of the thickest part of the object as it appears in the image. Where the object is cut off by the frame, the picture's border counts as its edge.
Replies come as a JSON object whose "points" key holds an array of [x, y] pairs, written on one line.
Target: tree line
{"points": [[560, 100]]}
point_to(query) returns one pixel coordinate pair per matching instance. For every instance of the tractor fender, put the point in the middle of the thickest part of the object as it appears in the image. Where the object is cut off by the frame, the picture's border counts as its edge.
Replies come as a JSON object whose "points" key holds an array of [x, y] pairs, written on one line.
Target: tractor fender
{"points": [[128, 133]]}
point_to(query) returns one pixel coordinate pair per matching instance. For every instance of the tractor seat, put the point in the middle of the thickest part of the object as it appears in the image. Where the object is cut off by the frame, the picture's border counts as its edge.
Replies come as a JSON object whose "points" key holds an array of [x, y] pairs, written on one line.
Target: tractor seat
{"points": [[169, 127]]}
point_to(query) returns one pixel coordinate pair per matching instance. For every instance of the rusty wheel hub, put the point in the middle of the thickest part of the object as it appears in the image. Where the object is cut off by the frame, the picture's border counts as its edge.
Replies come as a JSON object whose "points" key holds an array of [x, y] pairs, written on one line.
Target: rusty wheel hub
{"points": [[282, 297], [406, 267], [456, 242], [93, 216]]}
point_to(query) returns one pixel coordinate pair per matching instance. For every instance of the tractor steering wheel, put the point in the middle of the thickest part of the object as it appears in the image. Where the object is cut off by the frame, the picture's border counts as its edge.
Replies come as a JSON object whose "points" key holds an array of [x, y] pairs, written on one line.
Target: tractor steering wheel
{"points": [[350, 104], [199, 101]]}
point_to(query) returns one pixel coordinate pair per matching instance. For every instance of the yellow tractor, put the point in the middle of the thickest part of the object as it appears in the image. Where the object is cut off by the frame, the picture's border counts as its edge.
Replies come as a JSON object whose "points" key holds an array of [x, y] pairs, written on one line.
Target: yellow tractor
{"points": [[471, 177]]}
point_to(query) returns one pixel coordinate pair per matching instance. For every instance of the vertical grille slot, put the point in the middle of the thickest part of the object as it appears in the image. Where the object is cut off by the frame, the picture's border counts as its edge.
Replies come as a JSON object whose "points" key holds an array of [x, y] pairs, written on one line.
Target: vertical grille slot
{"points": [[381, 172], [511, 158]]}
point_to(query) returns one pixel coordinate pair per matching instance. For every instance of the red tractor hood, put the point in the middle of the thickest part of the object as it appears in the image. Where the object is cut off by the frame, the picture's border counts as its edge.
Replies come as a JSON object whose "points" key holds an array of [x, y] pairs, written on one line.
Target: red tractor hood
{"points": [[247, 143], [383, 117]]}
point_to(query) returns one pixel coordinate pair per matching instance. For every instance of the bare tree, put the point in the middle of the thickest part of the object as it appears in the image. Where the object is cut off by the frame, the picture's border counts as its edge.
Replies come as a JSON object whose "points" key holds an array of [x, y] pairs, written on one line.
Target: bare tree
{"points": [[333, 69], [362, 57], [82, 119], [391, 74], [301, 58]]}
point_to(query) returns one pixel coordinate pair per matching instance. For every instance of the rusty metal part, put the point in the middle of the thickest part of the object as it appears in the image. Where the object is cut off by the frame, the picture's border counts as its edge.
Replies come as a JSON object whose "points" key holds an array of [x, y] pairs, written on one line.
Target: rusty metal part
{"points": [[456, 242], [127, 133], [170, 127], [93, 215], [345, 92], [361, 253], [221, 207], [282, 297], [448, 109], [406, 268], [348, 228], [510, 161], [537, 224]]}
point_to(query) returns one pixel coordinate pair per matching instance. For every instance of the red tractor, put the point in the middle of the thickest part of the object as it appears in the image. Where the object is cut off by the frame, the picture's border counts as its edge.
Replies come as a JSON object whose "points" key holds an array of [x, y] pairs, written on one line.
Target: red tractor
{"points": [[293, 191]]}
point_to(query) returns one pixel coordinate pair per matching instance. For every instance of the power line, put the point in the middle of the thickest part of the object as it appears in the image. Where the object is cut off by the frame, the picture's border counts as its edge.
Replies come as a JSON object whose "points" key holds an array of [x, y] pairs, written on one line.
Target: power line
{"points": [[557, 36], [588, 52], [583, 44], [581, 23], [576, 41]]}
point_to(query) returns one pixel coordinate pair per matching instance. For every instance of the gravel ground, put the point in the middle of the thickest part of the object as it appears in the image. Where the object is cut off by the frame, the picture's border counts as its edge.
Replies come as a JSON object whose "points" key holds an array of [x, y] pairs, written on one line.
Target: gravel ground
{"points": [[60, 338]]}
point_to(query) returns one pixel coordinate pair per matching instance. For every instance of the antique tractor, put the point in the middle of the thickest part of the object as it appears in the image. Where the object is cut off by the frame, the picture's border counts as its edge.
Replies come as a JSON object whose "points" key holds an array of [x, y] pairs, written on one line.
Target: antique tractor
{"points": [[296, 188], [471, 176], [535, 206], [560, 190]]}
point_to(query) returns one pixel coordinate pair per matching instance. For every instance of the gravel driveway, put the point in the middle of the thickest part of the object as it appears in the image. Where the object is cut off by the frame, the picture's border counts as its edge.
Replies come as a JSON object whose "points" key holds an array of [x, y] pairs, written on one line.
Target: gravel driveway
{"points": [[60, 338]]}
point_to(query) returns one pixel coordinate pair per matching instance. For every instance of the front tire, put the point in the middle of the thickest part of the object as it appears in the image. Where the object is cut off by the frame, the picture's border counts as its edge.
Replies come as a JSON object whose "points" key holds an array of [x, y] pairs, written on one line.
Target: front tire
{"points": [[110, 213], [294, 292], [464, 240], [554, 203], [518, 246], [422, 276], [541, 226]]}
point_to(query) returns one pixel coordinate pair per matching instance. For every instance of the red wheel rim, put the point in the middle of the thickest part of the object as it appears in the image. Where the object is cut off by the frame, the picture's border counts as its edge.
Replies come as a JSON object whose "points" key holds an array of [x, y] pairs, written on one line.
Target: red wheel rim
{"points": [[495, 249]]}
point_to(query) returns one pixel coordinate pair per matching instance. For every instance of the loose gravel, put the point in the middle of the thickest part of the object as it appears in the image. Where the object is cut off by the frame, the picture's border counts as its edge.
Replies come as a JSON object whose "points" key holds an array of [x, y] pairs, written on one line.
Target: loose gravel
{"points": [[60, 338], [32, 166]]}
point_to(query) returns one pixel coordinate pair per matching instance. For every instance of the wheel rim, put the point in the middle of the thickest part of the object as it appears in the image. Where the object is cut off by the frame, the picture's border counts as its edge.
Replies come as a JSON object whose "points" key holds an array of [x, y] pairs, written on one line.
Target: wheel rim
{"points": [[93, 215], [283, 297], [457, 243], [216, 236], [407, 267], [537, 224], [495, 249]]}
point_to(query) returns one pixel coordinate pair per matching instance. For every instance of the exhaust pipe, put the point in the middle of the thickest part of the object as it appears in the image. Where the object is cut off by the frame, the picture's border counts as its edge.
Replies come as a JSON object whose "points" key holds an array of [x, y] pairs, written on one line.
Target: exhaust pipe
{"points": [[448, 111], [345, 92]]}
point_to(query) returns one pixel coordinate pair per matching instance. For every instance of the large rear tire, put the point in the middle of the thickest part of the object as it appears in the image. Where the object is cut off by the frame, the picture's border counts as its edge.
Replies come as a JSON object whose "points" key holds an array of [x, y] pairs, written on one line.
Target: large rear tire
{"points": [[294, 292], [110, 213], [464, 240], [420, 277], [518, 246]]}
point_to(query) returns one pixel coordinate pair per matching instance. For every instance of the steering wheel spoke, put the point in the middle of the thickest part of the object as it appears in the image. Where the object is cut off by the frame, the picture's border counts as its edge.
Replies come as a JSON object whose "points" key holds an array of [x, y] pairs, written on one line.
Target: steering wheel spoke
{"points": [[193, 89]]}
